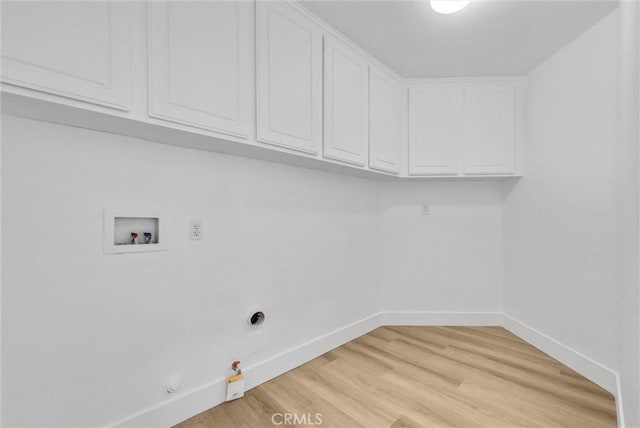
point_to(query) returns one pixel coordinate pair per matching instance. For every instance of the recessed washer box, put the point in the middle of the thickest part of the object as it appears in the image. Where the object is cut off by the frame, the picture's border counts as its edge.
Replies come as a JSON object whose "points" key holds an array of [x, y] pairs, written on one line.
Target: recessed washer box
{"points": [[120, 224]]}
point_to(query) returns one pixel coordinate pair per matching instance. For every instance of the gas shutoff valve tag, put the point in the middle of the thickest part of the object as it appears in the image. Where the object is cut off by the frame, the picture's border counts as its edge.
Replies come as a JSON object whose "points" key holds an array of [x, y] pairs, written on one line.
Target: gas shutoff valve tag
{"points": [[235, 387], [235, 382]]}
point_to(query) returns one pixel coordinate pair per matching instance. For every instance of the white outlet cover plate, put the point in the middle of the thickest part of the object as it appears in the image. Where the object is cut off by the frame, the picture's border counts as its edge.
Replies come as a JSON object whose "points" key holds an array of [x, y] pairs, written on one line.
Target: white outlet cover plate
{"points": [[195, 230]]}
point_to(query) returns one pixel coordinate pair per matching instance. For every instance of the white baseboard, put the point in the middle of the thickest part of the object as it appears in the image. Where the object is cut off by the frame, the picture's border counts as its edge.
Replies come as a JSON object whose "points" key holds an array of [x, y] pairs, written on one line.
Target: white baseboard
{"points": [[592, 370], [441, 318], [584, 365], [288, 360], [178, 409], [191, 403], [619, 408]]}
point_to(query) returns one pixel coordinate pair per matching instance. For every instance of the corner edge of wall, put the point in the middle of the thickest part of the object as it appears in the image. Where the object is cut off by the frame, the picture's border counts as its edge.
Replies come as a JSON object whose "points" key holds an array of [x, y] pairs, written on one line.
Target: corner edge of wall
{"points": [[591, 369]]}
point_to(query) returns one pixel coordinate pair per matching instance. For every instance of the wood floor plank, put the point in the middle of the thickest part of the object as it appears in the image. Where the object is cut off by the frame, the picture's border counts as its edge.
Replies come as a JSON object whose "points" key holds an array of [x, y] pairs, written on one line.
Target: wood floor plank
{"points": [[535, 382], [409, 377], [351, 402]]}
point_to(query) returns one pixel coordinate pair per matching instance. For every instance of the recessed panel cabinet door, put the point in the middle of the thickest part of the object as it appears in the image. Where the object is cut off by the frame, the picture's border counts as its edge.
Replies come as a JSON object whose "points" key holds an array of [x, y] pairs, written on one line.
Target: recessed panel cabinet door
{"points": [[289, 67], [490, 128], [435, 125], [346, 104], [200, 64], [385, 121], [79, 50]]}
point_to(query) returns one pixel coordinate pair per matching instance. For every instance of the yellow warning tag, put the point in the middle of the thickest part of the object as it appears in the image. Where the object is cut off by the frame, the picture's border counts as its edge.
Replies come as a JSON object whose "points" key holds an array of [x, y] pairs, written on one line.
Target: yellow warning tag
{"points": [[234, 378]]}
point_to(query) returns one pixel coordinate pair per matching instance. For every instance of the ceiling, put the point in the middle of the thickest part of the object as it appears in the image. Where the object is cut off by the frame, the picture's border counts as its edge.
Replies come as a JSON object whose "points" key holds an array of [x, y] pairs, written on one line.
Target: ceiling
{"points": [[487, 38]]}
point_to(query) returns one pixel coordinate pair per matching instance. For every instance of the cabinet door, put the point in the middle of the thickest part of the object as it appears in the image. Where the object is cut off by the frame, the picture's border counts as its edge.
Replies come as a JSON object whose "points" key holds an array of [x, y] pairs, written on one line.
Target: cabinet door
{"points": [[386, 106], [435, 124], [79, 50], [346, 104], [200, 64], [490, 128], [289, 67]]}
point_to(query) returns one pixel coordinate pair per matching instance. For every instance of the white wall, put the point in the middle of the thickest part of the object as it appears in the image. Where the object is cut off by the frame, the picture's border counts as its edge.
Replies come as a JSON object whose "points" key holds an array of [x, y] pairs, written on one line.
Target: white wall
{"points": [[89, 339], [559, 222], [449, 260]]}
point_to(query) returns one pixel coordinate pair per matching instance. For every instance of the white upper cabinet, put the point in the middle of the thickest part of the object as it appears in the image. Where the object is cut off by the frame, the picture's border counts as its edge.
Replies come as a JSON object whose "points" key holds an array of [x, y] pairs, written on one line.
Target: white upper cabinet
{"points": [[490, 128], [289, 68], [255, 75], [78, 50], [386, 118], [464, 128], [200, 64], [435, 129], [346, 103]]}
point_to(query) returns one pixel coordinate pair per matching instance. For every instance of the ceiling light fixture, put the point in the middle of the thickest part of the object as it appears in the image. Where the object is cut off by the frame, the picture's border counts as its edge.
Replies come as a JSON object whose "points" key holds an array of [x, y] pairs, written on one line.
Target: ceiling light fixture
{"points": [[446, 7]]}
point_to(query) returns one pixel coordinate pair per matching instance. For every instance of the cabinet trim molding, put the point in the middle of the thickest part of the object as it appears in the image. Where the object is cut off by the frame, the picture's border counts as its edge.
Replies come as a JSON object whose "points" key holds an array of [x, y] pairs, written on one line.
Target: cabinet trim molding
{"points": [[377, 161], [265, 132], [160, 102], [450, 167], [115, 92], [330, 150], [509, 117]]}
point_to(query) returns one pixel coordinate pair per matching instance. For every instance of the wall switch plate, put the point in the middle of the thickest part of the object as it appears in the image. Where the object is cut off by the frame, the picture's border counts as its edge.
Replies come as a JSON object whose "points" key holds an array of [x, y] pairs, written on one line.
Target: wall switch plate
{"points": [[195, 230], [425, 209]]}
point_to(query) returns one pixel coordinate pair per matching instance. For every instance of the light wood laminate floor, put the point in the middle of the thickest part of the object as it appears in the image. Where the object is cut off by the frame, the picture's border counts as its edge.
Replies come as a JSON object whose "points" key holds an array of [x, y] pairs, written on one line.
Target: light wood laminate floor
{"points": [[424, 377]]}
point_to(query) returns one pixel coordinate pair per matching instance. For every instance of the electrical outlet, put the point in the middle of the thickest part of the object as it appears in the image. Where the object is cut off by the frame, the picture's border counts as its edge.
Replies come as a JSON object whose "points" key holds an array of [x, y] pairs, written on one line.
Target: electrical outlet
{"points": [[425, 209], [195, 230]]}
